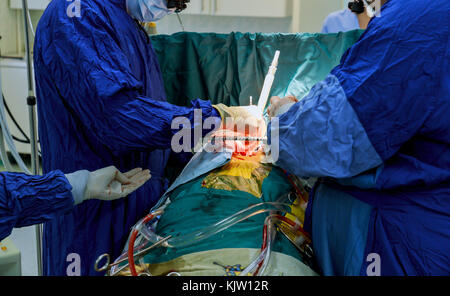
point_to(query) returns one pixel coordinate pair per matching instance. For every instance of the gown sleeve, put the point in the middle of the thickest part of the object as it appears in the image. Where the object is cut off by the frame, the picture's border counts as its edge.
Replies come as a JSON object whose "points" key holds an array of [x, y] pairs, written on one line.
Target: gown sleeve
{"points": [[379, 97], [27, 200]]}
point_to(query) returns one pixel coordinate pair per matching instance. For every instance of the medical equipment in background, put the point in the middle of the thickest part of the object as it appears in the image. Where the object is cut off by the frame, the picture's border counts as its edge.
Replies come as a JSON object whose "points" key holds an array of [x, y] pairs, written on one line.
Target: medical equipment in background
{"points": [[10, 261], [6, 135], [264, 97]]}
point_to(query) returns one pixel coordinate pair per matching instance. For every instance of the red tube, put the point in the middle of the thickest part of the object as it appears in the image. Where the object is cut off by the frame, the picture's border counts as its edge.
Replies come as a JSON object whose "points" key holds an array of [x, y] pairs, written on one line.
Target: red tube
{"points": [[264, 245], [131, 253], [133, 237]]}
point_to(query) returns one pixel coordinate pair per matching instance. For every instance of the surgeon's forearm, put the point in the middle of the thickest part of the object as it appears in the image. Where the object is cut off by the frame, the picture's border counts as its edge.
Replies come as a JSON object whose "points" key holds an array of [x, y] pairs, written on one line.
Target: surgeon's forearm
{"points": [[149, 124], [321, 136], [27, 200]]}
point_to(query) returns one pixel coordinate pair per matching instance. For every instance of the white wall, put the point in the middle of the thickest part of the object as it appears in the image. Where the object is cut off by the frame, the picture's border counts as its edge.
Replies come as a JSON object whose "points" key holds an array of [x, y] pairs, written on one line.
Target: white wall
{"points": [[8, 28], [11, 29], [313, 13]]}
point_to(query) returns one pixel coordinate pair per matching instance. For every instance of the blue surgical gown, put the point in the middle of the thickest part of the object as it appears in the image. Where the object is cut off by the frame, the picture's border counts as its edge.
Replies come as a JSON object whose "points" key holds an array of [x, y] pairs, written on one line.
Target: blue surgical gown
{"points": [[377, 132], [28, 200], [340, 21], [101, 102]]}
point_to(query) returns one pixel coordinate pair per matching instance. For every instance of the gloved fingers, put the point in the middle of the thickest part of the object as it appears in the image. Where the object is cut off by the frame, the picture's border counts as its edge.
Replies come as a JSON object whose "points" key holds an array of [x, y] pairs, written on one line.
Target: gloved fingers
{"points": [[121, 178], [117, 189], [132, 172], [114, 190], [140, 177], [137, 183]]}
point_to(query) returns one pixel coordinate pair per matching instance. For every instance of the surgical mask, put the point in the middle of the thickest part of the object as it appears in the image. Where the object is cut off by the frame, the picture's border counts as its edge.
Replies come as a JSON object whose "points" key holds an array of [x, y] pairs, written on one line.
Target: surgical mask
{"points": [[148, 10]]}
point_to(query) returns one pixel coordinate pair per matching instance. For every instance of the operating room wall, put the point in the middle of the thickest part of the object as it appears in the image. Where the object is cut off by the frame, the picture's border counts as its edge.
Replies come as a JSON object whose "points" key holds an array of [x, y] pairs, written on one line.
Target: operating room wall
{"points": [[8, 28], [314, 12], [311, 14], [12, 42], [223, 24]]}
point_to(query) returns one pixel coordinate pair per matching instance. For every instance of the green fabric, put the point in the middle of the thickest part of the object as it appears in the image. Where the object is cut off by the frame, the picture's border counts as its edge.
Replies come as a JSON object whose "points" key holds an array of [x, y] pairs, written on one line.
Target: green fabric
{"points": [[229, 68], [194, 207]]}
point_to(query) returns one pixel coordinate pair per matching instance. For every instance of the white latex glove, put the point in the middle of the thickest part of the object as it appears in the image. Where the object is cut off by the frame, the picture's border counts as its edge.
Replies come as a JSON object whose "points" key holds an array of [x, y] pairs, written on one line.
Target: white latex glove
{"points": [[106, 184], [237, 118]]}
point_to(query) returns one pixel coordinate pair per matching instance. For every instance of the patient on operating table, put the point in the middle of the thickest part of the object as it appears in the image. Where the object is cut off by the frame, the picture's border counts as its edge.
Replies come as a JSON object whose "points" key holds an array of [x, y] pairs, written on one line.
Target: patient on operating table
{"points": [[228, 213]]}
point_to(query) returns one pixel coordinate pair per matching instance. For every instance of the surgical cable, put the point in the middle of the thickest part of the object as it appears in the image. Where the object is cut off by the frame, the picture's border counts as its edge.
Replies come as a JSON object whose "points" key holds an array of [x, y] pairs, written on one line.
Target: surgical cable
{"points": [[3, 154], [180, 21], [27, 139], [19, 128], [8, 138]]}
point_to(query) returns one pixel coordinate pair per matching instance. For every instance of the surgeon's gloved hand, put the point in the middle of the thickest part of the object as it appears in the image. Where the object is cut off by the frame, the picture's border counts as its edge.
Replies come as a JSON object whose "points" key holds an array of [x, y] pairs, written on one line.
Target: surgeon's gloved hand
{"points": [[237, 118], [279, 106], [106, 184], [237, 111]]}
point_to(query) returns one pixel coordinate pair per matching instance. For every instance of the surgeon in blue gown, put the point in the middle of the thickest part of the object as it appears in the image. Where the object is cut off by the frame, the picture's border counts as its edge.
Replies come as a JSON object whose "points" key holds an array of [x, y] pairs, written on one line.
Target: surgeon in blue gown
{"points": [[101, 102], [376, 131]]}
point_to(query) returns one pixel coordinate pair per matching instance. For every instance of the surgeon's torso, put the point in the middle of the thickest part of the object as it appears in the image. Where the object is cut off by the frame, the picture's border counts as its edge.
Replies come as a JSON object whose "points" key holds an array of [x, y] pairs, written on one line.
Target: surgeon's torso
{"points": [[66, 144]]}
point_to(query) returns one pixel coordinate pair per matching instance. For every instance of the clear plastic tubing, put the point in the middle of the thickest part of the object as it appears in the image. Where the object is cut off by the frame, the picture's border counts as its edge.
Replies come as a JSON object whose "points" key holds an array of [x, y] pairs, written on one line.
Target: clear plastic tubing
{"points": [[195, 237], [264, 255], [271, 232]]}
